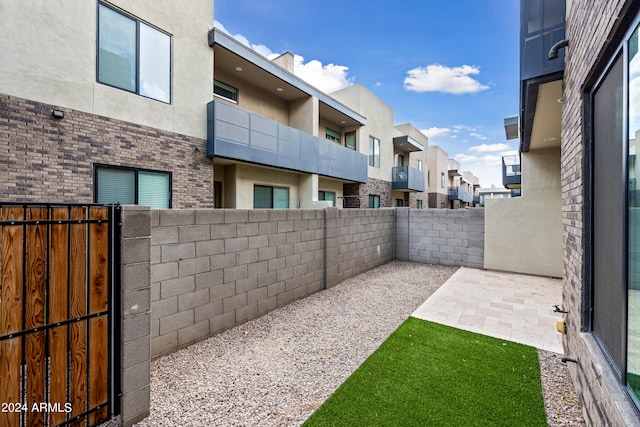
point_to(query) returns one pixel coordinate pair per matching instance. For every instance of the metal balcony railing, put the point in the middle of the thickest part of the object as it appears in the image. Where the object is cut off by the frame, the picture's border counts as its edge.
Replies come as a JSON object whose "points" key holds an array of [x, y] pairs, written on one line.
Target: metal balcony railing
{"points": [[236, 134], [407, 178], [511, 173], [459, 193]]}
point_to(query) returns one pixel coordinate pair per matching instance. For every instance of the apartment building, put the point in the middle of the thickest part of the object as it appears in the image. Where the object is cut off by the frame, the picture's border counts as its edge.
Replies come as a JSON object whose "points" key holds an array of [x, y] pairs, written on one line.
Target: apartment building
{"points": [[275, 141], [438, 178], [106, 102]]}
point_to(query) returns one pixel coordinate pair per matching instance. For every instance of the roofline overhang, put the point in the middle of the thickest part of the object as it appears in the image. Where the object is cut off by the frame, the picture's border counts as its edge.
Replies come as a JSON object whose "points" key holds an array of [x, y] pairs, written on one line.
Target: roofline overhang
{"points": [[529, 103], [454, 172], [511, 127], [408, 142], [217, 37]]}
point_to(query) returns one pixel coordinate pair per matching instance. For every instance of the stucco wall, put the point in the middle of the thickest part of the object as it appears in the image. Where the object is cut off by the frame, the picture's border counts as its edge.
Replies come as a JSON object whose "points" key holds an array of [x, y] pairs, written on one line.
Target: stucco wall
{"points": [[524, 234], [49, 55], [379, 125]]}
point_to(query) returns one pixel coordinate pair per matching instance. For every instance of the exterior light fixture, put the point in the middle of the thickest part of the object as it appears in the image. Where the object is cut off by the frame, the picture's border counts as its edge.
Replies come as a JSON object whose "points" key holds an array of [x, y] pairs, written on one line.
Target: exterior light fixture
{"points": [[238, 68], [279, 89], [57, 114], [553, 52]]}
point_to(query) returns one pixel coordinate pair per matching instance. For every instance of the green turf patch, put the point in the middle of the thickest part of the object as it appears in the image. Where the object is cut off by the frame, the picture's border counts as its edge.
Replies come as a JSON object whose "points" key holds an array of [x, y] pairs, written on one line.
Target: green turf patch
{"points": [[426, 374]]}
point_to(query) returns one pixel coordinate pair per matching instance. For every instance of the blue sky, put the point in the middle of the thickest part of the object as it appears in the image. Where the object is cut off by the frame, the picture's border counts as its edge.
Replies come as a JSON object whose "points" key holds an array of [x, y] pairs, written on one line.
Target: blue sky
{"points": [[450, 68]]}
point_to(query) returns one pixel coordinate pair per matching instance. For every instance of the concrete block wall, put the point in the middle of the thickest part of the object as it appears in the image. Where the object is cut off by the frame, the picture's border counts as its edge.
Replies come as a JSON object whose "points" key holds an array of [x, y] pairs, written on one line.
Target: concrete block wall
{"points": [[135, 312], [358, 240], [441, 236]]}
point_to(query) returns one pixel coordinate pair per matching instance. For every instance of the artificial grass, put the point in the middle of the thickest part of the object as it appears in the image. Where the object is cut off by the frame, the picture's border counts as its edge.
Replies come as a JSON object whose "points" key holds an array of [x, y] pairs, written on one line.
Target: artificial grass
{"points": [[426, 374]]}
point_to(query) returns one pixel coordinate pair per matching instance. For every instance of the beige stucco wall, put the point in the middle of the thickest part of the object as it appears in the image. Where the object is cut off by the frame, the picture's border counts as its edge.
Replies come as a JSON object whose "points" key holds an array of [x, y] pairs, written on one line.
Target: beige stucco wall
{"points": [[240, 179], [379, 125], [524, 234], [438, 163], [49, 55]]}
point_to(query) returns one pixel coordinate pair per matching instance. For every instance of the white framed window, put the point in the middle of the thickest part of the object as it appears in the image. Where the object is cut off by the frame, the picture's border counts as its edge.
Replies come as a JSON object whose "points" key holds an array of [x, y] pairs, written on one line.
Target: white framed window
{"points": [[327, 196], [133, 55], [350, 140], [374, 201]]}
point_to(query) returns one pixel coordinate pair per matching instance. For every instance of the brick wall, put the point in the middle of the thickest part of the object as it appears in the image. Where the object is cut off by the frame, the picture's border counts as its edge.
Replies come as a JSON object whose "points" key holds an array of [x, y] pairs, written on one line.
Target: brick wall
{"points": [[436, 200], [362, 191], [590, 24], [441, 236], [43, 159], [214, 269]]}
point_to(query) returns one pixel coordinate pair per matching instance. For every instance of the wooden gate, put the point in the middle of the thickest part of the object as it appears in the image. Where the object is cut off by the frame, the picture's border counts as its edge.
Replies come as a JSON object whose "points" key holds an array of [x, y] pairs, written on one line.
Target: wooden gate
{"points": [[57, 314]]}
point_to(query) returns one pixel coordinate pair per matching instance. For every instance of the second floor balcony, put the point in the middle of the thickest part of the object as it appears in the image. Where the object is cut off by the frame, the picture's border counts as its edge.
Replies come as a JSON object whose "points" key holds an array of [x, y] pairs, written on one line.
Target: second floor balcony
{"points": [[236, 134], [511, 173], [407, 178], [459, 193]]}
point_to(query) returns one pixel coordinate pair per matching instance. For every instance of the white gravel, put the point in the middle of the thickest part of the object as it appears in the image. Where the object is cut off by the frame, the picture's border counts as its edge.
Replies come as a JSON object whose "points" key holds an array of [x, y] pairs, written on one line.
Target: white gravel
{"points": [[276, 370]]}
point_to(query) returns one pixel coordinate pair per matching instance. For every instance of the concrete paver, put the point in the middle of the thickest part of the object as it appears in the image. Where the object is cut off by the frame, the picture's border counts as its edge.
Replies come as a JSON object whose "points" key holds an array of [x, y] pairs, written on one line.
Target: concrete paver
{"points": [[509, 306]]}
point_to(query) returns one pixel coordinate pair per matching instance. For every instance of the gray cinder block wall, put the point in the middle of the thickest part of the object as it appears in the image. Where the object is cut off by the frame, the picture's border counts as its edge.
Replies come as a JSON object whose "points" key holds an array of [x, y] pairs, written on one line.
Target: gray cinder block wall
{"points": [[189, 274], [135, 311], [214, 269], [441, 236]]}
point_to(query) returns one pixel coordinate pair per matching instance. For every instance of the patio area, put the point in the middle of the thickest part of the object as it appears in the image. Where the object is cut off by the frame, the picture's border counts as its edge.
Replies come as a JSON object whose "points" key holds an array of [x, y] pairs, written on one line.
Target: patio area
{"points": [[509, 306]]}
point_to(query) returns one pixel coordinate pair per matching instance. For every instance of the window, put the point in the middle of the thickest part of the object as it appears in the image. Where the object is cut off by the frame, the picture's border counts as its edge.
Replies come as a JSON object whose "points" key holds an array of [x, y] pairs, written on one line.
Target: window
{"points": [[374, 201], [225, 91], [350, 140], [399, 160], [428, 178], [441, 179], [441, 205], [332, 135], [399, 203], [374, 152], [132, 186], [133, 56], [419, 204], [419, 165], [265, 197], [327, 196]]}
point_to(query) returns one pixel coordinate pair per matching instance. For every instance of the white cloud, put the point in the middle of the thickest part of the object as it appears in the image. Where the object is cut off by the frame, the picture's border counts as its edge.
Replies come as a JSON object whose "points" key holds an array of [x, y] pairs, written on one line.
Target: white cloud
{"points": [[492, 160], [260, 48], [436, 132], [490, 148], [478, 136], [327, 78], [440, 78], [466, 158]]}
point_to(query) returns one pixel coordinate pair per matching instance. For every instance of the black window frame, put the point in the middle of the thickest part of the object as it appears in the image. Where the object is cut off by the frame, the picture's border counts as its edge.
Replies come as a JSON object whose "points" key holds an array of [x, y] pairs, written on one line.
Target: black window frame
{"points": [[137, 67], [322, 194], [271, 187], [373, 198], [374, 151], [227, 87], [136, 171]]}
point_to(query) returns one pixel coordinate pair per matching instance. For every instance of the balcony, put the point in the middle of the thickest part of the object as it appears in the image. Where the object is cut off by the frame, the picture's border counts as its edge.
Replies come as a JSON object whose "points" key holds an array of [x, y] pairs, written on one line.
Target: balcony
{"points": [[476, 200], [511, 173], [236, 134], [407, 178], [459, 193]]}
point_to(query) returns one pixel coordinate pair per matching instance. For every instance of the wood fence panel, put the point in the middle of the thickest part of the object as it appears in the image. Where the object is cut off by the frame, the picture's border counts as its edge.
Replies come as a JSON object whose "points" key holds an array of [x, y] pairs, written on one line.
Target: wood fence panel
{"points": [[11, 301], [36, 252], [78, 308], [98, 302], [98, 372], [58, 312]]}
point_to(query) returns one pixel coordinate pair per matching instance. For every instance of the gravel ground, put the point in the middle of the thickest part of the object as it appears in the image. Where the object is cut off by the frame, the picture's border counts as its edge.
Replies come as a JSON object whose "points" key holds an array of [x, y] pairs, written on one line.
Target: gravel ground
{"points": [[276, 370]]}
